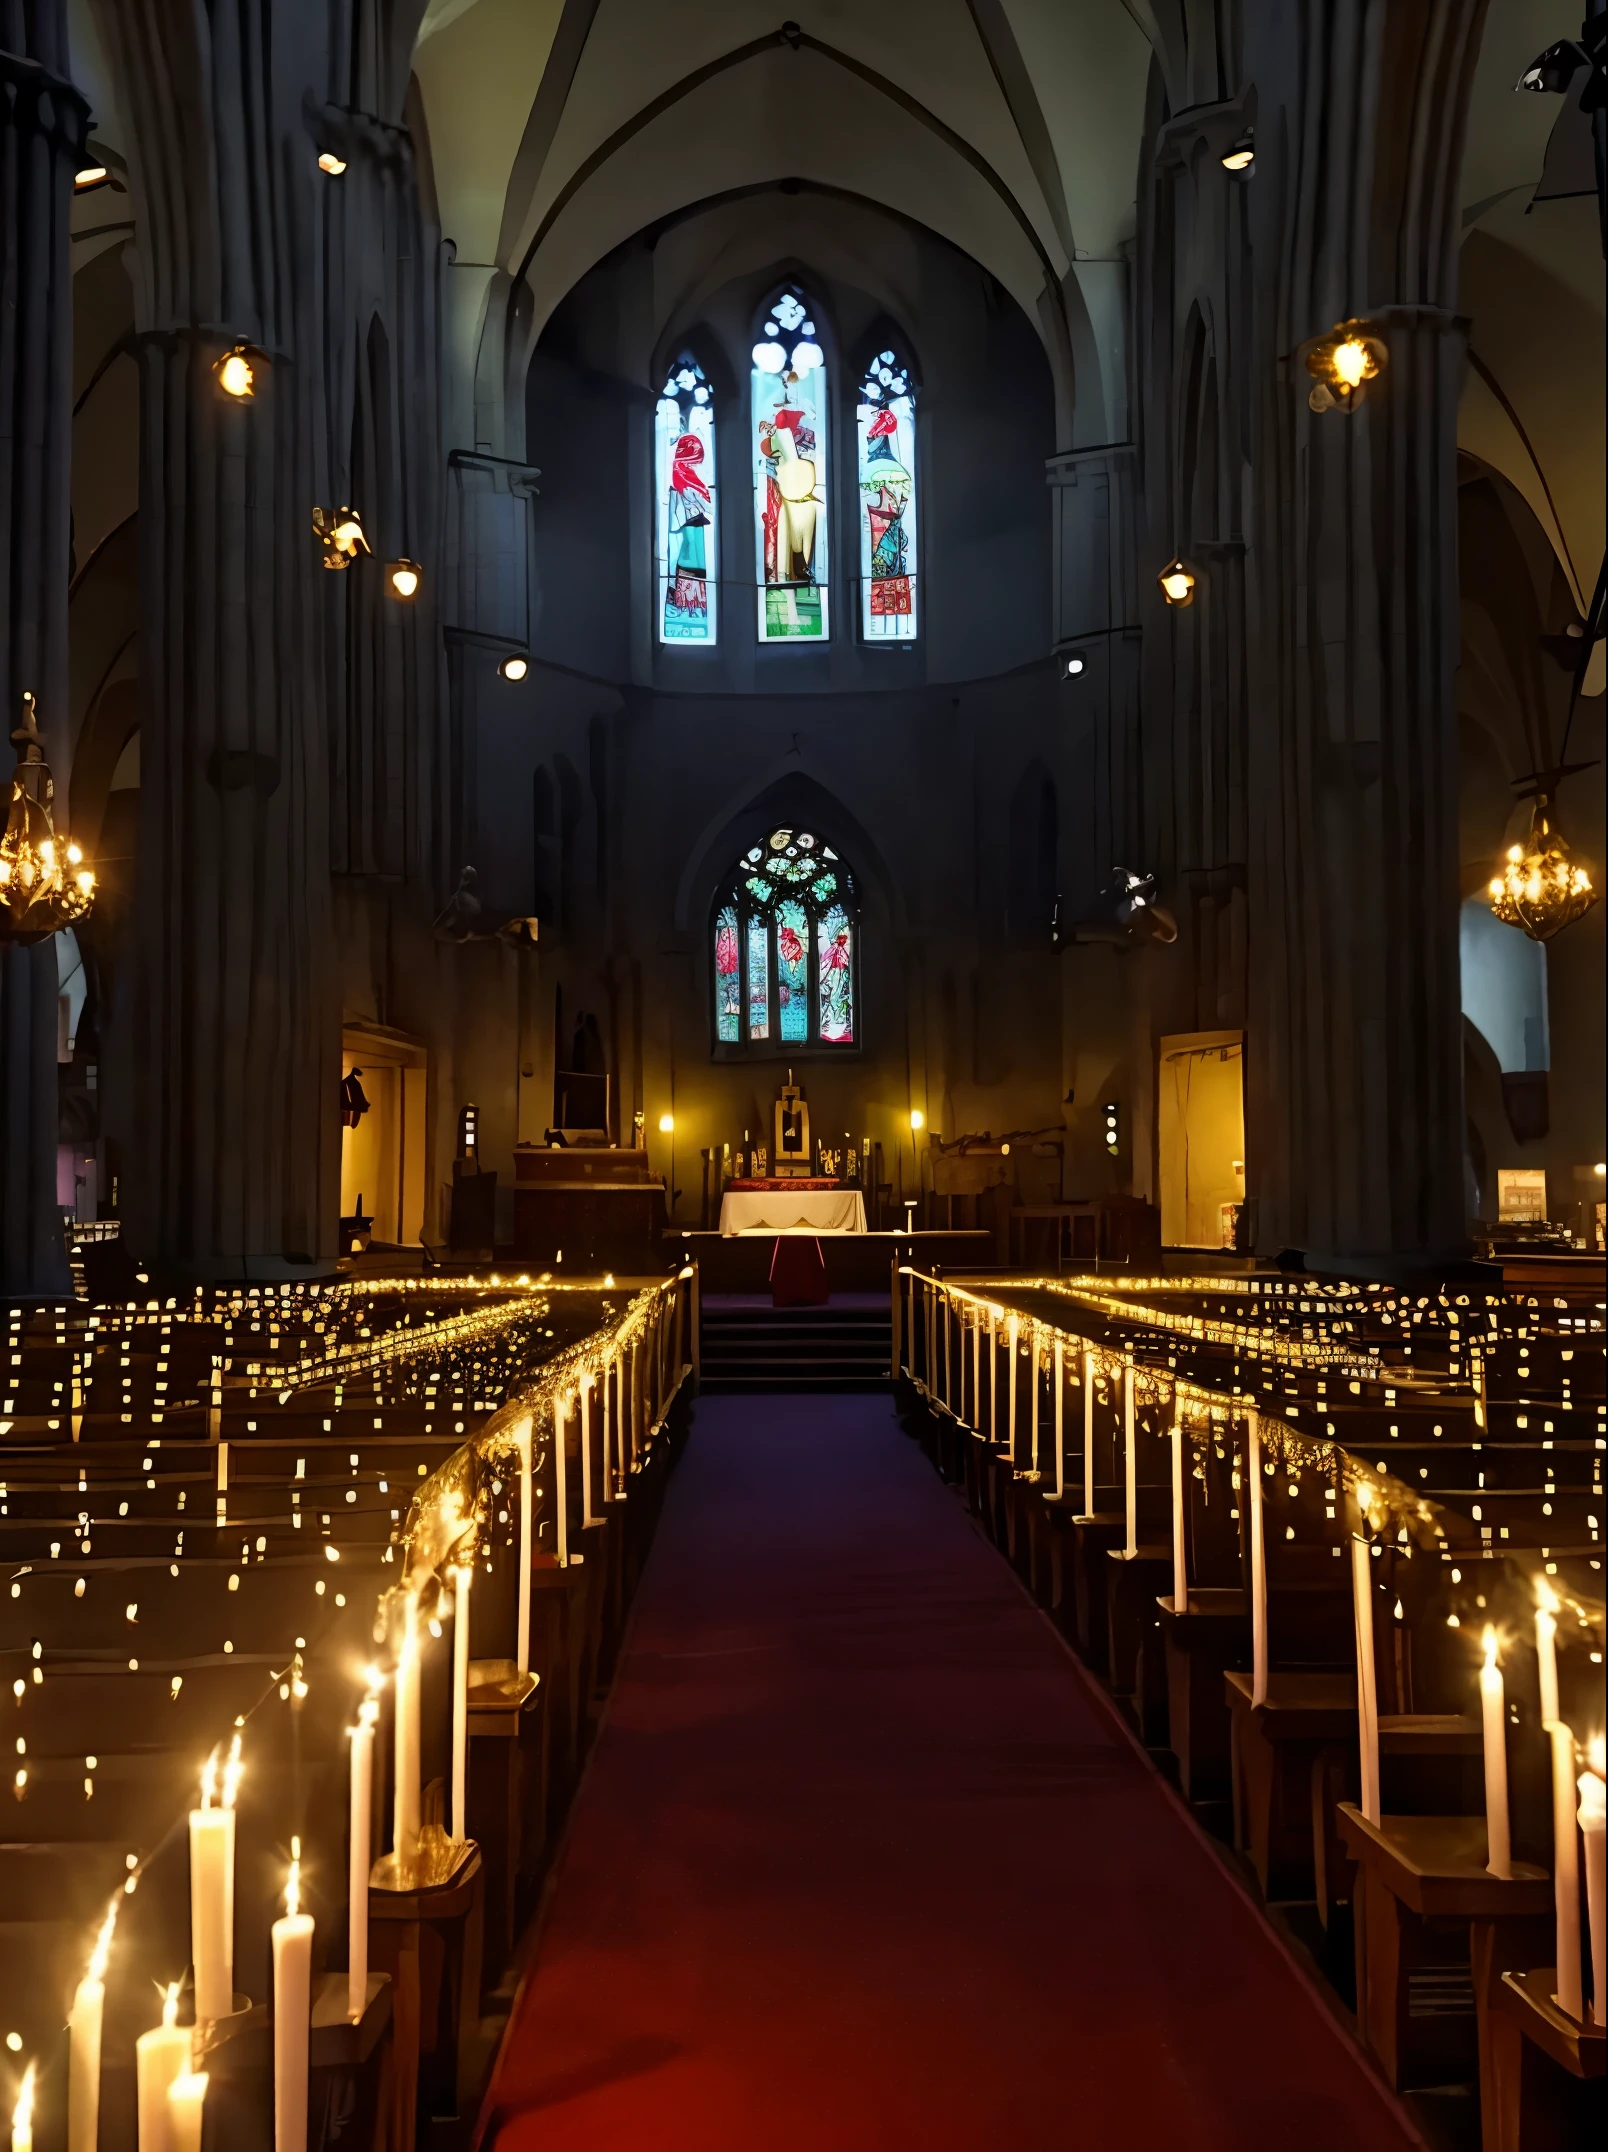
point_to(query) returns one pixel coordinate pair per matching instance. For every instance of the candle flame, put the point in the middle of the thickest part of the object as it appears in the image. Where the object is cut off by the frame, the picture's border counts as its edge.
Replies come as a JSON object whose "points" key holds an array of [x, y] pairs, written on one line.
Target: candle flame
{"points": [[22, 2113], [103, 1945], [1488, 1644], [209, 1780], [170, 2004], [231, 1773], [1546, 1598], [293, 1880]]}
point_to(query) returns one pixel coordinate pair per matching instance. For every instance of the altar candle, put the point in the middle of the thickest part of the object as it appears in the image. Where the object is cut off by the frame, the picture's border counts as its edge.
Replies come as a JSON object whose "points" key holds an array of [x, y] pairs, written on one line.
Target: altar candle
{"points": [[526, 1438], [84, 2045], [1566, 1874], [1088, 1432], [405, 1828], [1253, 1510], [361, 1852], [22, 2114], [212, 1864], [460, 1705], [187, 2099], [160, 2055], [1060, 1422], [1546, 1649], [1130, 1460], [1367, 1678], [1493, 1715], [1180, 1556], [292, 1939], [1593, 1816], [561, 1480]]}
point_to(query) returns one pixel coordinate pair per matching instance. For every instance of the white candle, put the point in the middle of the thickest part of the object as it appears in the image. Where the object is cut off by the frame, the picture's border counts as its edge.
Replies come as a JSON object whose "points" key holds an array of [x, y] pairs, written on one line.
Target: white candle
{"points": [[1130, 1460], [1060, 1422], [84, 2045], [1253, 1510], [586, 1428], [1033, 1402], [1180, 1554], [360, 1851], [1566, 1875], [1493, 1716], [976, 1421], [561, 1479], [292, 1939], [212, 1863], [993, 1377], [1593, 1816], [22, 2114], [405, 1827], [160, 2055], [611, 1369], [1367, 1679], [1546, 1649], [1088, 1432], [187, 2099], [1013, 1348], [526, 1526], [460, 1705]]}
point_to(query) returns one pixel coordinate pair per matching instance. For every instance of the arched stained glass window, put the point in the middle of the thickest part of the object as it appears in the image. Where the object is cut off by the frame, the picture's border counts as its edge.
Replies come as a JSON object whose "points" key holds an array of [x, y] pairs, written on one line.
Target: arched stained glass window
{"points": [[790, 475], [887, 443], [786, 934], [684, 466]]}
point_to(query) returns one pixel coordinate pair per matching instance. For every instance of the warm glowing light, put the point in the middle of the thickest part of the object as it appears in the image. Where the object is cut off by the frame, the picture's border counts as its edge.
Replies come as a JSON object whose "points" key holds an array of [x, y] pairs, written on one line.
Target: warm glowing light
{"points": [[667, 1122], [1240, 158], [403, 578], [293, 1880], [1488, 1645], [1343, 363], [328, 162], [340, 533], [1352, 363], [170, 2004], [1540, 890], [37, 897], [514, 668], [236, 372], [22, 2113], [102, 1951], [91, 176], [918, 1119], [1177, 583]]}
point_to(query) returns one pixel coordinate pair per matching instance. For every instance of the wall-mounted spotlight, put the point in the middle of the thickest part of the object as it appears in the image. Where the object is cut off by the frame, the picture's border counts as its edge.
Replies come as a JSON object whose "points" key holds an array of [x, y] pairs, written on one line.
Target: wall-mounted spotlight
{"points": [[1113, 1126], [1176, 583], [918, 1120], [515, 667], [238, 371], [90, 176], [1343, 363], [340, 533], [667, 1124], [332, 165], [403, 578], [1074, 665], [1242, 157]]}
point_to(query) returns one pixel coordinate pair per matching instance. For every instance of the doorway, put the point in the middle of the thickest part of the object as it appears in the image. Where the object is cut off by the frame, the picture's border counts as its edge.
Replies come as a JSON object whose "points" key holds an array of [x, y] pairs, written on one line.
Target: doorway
{"points": [[1201, 1125], [383, 1156]]}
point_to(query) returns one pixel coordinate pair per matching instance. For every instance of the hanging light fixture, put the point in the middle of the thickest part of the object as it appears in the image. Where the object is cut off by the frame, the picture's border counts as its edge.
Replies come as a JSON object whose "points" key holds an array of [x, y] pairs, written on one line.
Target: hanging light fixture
{"points": [[515, 667], [1177, 583], [402, 579], [340, 533], [238, 371], [1540, 890], [44, 884], [1343, 363]]}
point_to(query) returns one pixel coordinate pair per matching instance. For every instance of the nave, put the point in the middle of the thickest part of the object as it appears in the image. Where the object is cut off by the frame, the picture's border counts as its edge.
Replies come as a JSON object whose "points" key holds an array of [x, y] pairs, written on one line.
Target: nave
{"points": [[864, 1858]]}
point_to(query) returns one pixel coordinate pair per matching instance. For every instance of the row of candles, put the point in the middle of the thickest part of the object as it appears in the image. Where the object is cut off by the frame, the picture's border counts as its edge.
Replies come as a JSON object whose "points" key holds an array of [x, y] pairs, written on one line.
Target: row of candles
{"points": [[1578, 1830]]}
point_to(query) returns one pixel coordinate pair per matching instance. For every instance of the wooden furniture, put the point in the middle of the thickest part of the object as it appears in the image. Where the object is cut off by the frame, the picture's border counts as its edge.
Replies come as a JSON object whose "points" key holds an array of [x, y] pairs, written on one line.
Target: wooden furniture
{"points": [[1543, 2086], [427, 1934], [505, 1786], [1200, 1642], [598, 1209], [1435, 1931], [1073, 1232]]}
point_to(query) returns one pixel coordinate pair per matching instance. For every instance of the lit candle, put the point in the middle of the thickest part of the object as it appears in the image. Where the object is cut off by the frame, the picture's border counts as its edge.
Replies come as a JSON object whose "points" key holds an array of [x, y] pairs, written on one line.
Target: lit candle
{"points": [[586, 1429], [361, 1852], [993, 1376], [976, 1421], [187, 2099], [292, 1939], [212, 1865], [1593, 1816], [1013, 1347], [1493, 1714], [526, 1512], [1566, 1874], [1253, 1509], [561, 1479], [1130, 1460], [405, 1826], [84, 2044], [1060, 1422], [1546, 1649], [1180, 1555], [1367, 1678], [464, 1576], [22, 2114], [160, 2055], [1088, 1432]]}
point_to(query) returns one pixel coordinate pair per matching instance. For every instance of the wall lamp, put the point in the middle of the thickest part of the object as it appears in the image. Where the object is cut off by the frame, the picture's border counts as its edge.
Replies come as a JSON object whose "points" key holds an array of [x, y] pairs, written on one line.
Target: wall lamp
{"points": [[515, 667], [340, 533], [1241, 158], [1176, 583], [1343, 363], [89, 177], [331, 165], [403, 578], [238, 370], [1074, 665]]}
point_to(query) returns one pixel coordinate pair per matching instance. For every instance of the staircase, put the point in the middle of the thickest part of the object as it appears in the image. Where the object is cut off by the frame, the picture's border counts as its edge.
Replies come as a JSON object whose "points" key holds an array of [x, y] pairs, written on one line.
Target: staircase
{"points": [[764, 1348]]}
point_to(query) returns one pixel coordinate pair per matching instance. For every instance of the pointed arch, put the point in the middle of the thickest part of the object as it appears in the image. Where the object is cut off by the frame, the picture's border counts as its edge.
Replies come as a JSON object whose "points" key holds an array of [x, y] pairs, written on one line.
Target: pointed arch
{"points": [[686, 506], [784, 947], [790, 412], [887, 511]]}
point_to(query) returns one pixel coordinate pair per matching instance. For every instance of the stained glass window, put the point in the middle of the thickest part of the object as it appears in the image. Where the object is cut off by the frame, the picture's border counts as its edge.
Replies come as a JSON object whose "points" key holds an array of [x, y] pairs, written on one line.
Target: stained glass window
{"points": [[684, 464], [887, 443], [786, 944], [790, 475]]}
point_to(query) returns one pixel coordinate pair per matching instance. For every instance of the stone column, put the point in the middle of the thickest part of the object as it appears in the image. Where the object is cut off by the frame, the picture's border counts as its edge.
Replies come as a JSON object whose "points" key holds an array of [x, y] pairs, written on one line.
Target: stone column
{"points": [[43, 122]]}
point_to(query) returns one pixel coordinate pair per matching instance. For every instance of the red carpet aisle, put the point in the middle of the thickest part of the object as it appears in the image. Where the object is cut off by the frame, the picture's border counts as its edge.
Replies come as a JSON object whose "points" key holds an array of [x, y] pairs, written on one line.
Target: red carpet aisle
{"points": [[861, 1862]]}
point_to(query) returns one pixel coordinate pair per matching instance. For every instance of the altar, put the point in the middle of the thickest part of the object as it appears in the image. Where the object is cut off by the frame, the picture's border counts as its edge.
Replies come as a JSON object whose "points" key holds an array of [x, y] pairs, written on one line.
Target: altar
{"points": [[790, 1206]]}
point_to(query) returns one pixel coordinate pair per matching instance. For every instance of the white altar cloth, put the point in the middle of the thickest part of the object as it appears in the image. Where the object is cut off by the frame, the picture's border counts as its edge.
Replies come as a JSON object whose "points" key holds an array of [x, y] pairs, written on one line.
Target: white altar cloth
{"points": [[780, 1210]]}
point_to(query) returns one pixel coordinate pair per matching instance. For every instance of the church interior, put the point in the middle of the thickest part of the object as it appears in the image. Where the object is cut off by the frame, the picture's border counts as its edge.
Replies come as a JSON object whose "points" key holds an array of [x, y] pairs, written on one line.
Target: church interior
{"points": [[800, 974]]}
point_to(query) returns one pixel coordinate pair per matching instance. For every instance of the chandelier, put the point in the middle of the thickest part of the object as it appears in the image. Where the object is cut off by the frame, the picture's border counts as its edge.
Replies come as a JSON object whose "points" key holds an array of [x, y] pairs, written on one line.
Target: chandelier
{"points": [[44, 884], [1540, 889]]}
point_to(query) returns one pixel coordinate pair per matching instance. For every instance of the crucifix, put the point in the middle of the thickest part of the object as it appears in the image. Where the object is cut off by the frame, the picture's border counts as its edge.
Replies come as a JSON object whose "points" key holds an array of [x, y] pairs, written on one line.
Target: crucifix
{"points": [[792, 1156]]}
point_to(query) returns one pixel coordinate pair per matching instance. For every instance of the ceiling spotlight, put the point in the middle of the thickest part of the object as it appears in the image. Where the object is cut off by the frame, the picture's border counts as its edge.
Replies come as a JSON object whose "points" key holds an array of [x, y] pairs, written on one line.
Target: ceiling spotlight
{"points": [[1343, 363], [1242, 157], [340, 532], [1074, 666], [403, 577], [332, 164], [89, 178], [236, 372], [1177, 583], [514, 668]]}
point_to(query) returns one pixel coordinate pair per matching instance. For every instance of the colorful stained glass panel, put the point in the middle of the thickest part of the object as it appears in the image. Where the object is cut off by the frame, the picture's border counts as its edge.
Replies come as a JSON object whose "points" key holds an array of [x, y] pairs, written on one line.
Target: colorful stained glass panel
{"points": [[789, 399], [728, 977], [686, 527], [886, 422], [837, 977], [758, 980], [792, 969]]}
